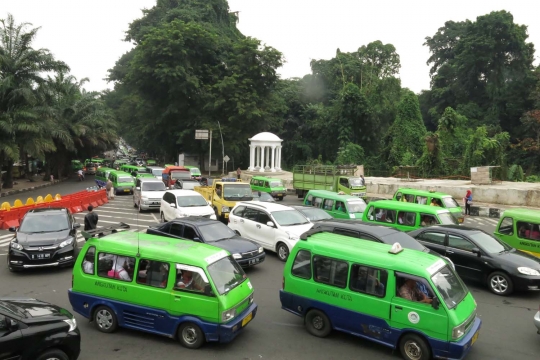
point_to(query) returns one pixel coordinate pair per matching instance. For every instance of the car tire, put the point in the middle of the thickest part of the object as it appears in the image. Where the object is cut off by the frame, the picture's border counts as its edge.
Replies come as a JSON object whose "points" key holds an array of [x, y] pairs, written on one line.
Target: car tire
{"points": [[282, 251], [105, 319], [317, 323], [414, 347], [53, 354], [280, 198], [163, 218], [190, 336], [500, 283]]}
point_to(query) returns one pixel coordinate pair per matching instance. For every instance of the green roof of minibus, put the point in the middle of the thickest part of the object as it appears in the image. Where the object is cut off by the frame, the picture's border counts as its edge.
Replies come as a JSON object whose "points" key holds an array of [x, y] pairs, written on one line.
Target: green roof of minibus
{"points": [[155, 247], [423, 192], [523, 214], [266, 178], [370, 253], [106, 169], [120, 173], [330, 194], [398, 205]]}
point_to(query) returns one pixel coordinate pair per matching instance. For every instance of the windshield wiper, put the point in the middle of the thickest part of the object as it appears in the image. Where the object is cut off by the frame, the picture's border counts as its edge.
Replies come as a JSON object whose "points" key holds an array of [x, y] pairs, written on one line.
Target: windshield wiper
{"points": [[230, 287]]}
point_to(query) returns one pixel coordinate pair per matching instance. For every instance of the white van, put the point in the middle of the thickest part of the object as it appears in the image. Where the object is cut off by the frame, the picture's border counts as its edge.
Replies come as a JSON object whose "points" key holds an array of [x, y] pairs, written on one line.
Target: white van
{"points": [[148, 193], [156, 171], [182, 203]]}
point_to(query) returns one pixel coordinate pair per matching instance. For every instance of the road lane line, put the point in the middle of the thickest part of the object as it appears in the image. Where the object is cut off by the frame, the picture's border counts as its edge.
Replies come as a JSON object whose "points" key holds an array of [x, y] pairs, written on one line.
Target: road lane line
{"points": [[155, 218], [117, 217], [99, 212], [6, 236]]}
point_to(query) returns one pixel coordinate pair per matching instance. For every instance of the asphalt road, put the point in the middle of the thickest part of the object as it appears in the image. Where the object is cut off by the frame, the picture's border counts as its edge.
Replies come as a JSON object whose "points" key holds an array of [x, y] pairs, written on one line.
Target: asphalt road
{"points": [[507, 331]]}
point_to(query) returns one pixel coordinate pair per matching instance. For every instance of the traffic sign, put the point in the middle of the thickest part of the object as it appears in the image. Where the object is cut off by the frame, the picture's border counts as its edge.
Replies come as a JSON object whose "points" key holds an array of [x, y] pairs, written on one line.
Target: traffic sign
{"points": [[226, 158]]}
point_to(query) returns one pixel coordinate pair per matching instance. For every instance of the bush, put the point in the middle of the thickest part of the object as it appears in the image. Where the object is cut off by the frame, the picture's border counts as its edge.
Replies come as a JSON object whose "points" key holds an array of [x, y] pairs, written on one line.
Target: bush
{"points": [[515, 173], [532, 178]]}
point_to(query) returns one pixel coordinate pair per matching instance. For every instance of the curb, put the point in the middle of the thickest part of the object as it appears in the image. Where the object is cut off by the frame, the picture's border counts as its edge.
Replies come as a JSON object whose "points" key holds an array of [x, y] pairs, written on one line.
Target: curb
{"points": [[19, 191]]}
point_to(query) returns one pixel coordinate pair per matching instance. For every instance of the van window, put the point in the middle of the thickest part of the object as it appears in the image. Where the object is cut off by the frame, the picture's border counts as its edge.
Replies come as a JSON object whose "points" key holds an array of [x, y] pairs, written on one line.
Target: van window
{"points": [[328, 204], [450, 203], [344, 182], [266, 185], [383, 215], [370, 213], [409, 198], [115, 266], [153, 273], [89, 261], [428, 220], [309, 200], [302, 265], [422, 200], [368, 280], [331, 272], [507, 226], [190, 278], [406, 218], [340, 206], [253, 182], [398, 196], [528, 231], [317, 202]]}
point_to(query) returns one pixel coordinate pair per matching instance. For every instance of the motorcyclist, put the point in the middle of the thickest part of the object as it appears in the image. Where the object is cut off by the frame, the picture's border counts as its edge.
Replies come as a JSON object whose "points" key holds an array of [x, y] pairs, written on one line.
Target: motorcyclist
{"points": [[81, 174]]}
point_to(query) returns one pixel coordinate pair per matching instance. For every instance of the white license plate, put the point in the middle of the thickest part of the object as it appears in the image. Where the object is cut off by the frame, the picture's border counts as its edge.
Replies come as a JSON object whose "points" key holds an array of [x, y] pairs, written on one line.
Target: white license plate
{"points": [[254, 261], [40, 256]]}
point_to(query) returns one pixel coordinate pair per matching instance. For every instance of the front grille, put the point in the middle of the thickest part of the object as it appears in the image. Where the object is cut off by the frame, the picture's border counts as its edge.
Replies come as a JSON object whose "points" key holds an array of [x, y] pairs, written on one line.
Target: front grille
{"points": [[470, 322], [158, 199], [250, 254], [43, 247]]}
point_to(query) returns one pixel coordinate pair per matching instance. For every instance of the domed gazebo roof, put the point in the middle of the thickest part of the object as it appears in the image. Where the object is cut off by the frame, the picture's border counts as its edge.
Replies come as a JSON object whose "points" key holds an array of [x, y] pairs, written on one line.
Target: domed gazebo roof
{"points": [[265, 136]]}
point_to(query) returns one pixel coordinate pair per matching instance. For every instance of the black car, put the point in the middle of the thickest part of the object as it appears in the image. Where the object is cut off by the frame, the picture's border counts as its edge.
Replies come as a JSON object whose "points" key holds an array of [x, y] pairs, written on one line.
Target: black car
{"points": [[215, 233], [478, 255], [35, 330], [46, 237], [313, 214], [371, 232]]}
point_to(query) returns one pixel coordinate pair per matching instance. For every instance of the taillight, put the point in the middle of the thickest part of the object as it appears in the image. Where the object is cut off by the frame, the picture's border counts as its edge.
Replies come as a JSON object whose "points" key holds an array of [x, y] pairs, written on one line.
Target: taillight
{"points": [[283, 284]]}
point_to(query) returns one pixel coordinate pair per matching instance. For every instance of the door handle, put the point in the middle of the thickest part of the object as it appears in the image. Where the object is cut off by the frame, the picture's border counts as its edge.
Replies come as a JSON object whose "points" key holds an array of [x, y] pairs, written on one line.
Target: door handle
{"points": [[449, 252], [177, 298], [242, 221], [258, 226], [399, 308]]}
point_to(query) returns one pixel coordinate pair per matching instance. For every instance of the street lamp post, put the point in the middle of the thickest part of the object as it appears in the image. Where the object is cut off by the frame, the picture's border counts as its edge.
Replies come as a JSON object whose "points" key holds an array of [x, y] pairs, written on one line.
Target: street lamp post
{"points": [[222, 149]]}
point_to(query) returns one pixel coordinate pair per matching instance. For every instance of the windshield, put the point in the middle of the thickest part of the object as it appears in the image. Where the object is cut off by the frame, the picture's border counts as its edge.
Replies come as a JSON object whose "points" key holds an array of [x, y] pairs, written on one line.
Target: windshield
{"points": [[450, 203], [489, 243], [355, 182], [153, 186], [289, 218], [195, 171], [157, 172], [189, 185], [216, 231], [42, 222], [276, 183], [226, 274], [180, 175], [237, 192], [404, 240], [142, 171], [447, 219], [191, 201], [356, 206], [125, 180], [449, 286], [314, 214], [262, 196]]}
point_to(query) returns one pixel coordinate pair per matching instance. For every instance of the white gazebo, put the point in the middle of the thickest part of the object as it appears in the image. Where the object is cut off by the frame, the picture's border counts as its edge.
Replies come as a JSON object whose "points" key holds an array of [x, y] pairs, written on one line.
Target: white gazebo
{"points": [[265, 146]]}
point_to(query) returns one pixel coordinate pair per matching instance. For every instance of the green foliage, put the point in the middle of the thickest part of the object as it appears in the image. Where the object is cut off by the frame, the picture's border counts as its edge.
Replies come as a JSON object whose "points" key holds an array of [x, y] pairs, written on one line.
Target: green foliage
{"points": [[482, 150], [533, 178], [432, 161], [350, 154], [515, 173]]}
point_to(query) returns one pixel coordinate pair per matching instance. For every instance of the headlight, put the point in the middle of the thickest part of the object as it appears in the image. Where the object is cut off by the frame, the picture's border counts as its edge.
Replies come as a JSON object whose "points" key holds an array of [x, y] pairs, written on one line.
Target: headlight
{"points": [[237, 256], [72, 324], [528, 271], [251, 299], [228, 315], [213, 217], [66, 242], [261, 250], [225, 209], [15, 245], [458, 331]]}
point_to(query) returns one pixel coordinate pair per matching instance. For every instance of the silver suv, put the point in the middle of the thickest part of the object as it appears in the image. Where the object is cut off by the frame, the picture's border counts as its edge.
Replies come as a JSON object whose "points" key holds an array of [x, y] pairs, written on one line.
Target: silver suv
{"points": [[148, 193]]}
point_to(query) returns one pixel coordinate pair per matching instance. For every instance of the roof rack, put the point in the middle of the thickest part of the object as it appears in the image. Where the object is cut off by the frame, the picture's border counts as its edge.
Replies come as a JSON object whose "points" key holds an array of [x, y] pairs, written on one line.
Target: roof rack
{"points": [[101, 232], [310, 232]]}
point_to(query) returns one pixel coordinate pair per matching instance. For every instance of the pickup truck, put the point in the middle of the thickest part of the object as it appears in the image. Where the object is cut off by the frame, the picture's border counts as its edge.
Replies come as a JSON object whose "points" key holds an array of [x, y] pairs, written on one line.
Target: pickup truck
{"points": [[327, 177], [223, 195]]}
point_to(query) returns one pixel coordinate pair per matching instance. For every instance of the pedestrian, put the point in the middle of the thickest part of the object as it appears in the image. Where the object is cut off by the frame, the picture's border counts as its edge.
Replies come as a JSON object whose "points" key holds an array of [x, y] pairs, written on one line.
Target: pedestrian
{"points": [[90, 219], [468, 202], [363, 181], [110, 190], [238, 173]]}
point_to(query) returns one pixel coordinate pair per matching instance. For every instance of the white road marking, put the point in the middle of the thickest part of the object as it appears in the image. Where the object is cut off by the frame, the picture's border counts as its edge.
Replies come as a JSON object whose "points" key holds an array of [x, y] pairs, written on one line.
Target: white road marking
{"points": [[155, 218], [117, 217], [6, 236], [116, 222]]}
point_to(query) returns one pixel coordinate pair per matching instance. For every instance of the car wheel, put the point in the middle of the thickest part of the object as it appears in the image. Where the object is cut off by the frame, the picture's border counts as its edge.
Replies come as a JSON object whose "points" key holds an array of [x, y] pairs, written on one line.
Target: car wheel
{"points": [[105, 319], [500, 283], [163, 218], [282, 251], [53, 354], [317, 323], [190, 336], [413, 347], [280, 198]]}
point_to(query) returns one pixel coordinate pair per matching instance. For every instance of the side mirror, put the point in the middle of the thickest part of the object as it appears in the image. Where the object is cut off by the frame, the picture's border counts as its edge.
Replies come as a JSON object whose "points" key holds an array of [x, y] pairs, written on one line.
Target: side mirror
{"points": [[76, 225], [173, 205], [271, 224], [138, 188], [13, 229], [435, 303], [13, 325], [208, 290], [476, 251]]}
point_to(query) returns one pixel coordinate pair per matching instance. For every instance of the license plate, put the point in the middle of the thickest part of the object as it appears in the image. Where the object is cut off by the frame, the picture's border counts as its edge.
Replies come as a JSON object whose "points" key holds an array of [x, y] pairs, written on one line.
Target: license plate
{"points": [[126, 190], [475, 337], [247, 319], [254, 261], [460, 220], [279, 194], [40, 256]]}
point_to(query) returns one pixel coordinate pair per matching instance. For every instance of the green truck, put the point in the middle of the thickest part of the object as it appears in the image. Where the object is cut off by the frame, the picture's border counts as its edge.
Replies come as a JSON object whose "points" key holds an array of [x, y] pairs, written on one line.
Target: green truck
{"points": [[334, 178]]}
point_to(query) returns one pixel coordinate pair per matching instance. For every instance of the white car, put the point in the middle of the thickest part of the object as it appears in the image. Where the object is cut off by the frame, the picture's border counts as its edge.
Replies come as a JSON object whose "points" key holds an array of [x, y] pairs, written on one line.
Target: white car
{"points": [[156, 171], [148, 194], [274, 226], [182, 203]]}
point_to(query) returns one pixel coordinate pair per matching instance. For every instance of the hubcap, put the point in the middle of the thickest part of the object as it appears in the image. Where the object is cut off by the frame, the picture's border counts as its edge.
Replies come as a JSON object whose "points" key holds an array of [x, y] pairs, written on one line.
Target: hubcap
{"points": [[104, 319], [413, 350], [53, 358], [189, 334], [282, 252], [318, 322], [499, 284]]}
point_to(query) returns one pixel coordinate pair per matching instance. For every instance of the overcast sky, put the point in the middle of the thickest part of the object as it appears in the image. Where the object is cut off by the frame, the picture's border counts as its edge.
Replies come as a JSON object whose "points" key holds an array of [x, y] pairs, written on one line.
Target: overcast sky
{"points": [[88, 35]]}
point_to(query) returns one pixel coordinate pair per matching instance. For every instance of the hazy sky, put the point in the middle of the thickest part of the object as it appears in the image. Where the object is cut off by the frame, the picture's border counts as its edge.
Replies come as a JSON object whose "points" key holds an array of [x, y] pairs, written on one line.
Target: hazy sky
{"points": [[88, 35]]}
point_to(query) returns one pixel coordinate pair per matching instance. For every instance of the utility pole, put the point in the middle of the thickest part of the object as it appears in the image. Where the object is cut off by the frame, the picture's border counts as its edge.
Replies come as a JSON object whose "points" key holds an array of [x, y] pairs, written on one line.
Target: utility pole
{"points": [[210, 156], [222, 149]]}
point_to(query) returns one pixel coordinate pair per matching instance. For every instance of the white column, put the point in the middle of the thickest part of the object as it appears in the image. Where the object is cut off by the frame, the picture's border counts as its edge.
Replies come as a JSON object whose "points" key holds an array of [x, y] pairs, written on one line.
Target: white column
{"points": [[263, 148], [267, 163], [273, 169], [251, 157], [257, 151], [278, 160]]}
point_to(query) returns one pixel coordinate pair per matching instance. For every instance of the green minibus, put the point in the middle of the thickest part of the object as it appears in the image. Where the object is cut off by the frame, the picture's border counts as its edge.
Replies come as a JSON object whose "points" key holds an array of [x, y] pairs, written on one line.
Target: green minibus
{"points": [[405, 216], [151, 162], [424, 197], [133, 170], [520, 228], [274, 187], [102, 173], [184, 290], [372, 290], [122, 182], [194, 171], [337, 205]]}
